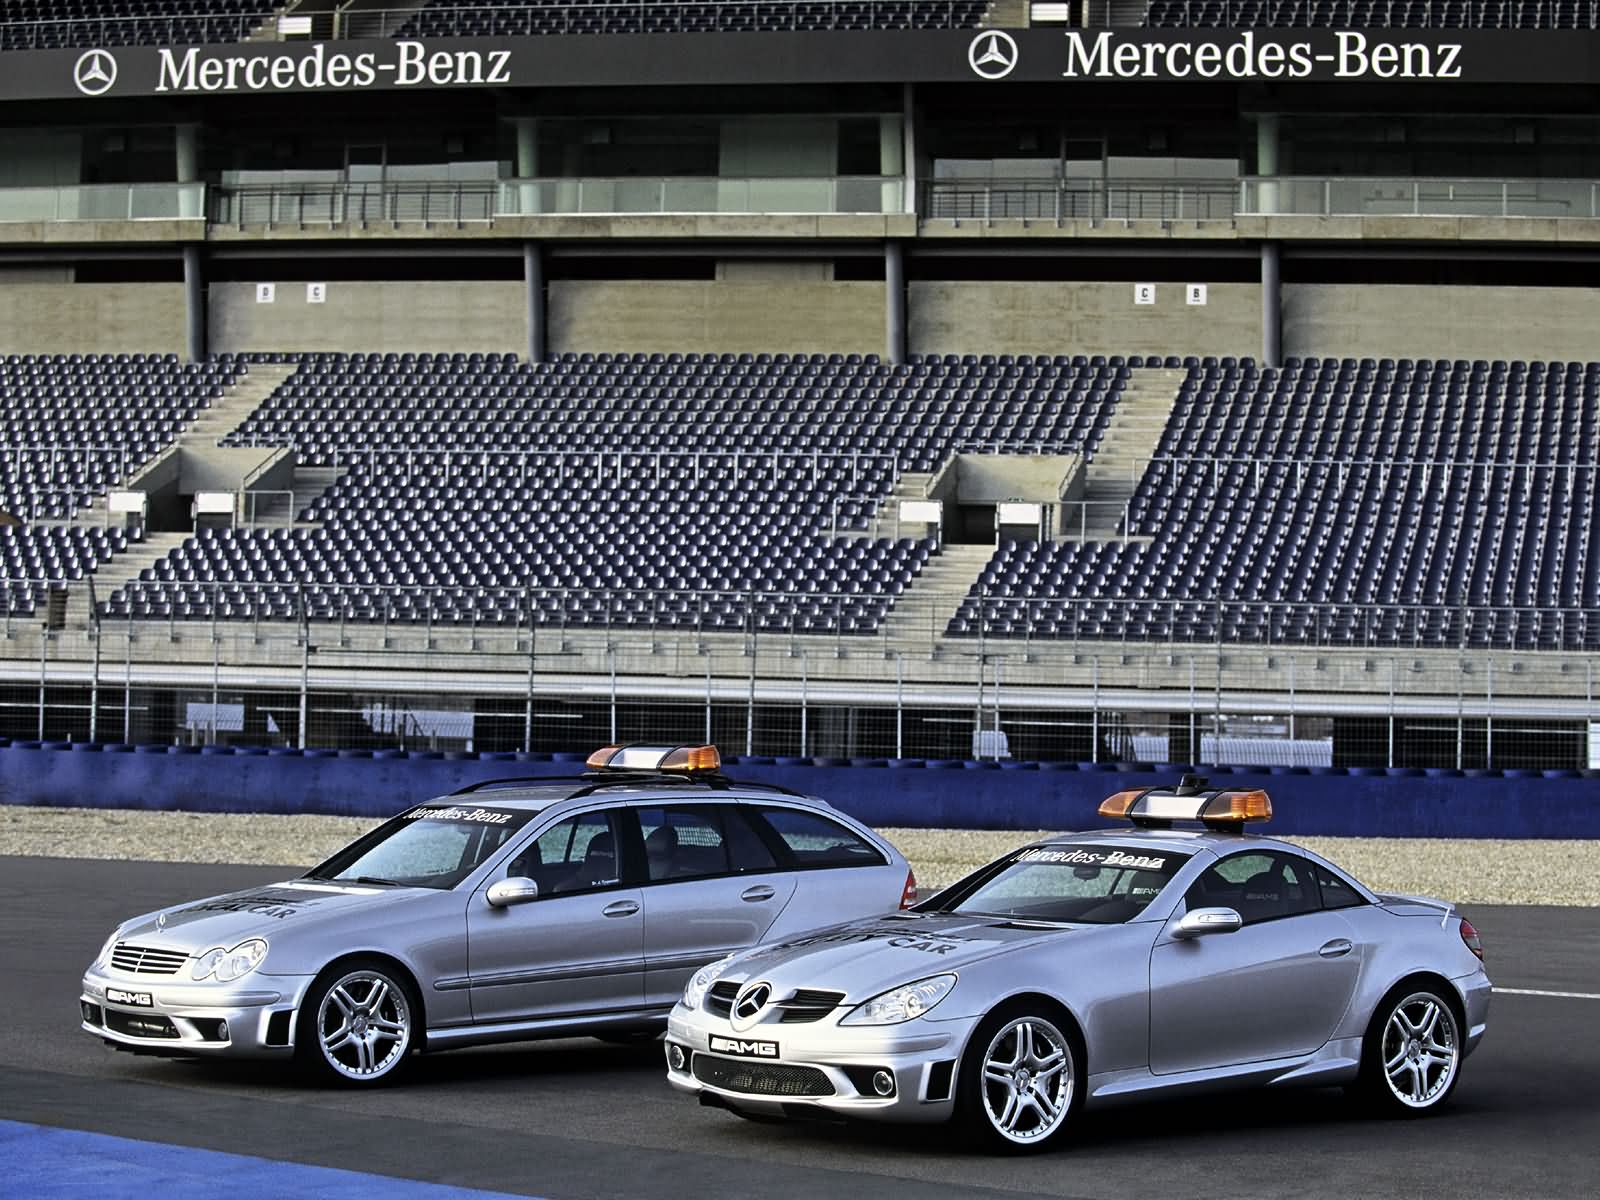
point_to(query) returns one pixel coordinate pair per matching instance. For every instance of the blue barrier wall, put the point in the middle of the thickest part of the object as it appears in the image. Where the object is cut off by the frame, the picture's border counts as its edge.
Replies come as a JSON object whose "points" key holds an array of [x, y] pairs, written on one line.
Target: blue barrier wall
{"points": [[1361, 802]]}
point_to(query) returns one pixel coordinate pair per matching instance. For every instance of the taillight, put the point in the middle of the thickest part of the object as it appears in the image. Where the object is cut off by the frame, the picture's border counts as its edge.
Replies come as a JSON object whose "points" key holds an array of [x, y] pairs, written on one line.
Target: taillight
{"points": [[1469, 935], [908, 897]]}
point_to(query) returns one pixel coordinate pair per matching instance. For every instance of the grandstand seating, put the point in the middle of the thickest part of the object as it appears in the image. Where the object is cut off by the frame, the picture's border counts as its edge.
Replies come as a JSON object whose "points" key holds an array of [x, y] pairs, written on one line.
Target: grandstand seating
{"points": [[33, 558], [521, 18], [72, 425], [55, 24], [1306, 498], [668, 487], [1373, 14]]}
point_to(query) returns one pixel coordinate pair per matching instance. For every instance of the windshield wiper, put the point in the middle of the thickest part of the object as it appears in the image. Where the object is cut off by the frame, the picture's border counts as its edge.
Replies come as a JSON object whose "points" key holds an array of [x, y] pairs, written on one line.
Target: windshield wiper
{"points": [[378, 879]]}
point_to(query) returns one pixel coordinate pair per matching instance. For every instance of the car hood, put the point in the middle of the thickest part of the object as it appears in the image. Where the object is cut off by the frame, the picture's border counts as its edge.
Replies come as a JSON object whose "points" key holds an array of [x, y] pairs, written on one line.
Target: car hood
{"points": [[267, 911], [863, 958]]}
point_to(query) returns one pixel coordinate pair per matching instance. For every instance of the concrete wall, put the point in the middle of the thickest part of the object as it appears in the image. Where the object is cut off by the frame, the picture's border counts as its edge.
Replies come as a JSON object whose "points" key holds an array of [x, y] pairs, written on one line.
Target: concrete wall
{"points": [[905, 792], [1421, 321], [91, 318], [1081, 318], [669, 315], [430, 315]]}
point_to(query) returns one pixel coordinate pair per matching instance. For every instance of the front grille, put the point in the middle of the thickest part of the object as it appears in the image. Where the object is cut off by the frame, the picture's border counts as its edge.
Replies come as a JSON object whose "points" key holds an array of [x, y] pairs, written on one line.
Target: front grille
{"points": [[140, 1025], [722, 996], [759, 1078], [808, 1004], [146, 960]]}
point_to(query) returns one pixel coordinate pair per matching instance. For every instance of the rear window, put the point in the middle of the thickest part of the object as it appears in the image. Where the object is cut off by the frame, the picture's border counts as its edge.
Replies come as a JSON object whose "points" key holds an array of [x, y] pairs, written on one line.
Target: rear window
{"points": [[817, 841], [1084, 884]]}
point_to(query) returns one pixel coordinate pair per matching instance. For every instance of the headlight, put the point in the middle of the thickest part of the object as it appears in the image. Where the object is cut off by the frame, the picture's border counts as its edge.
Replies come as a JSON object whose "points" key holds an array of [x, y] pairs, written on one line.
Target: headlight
{"points": [[694, 995], [104, 957], [901, 1004], [228, 965]]}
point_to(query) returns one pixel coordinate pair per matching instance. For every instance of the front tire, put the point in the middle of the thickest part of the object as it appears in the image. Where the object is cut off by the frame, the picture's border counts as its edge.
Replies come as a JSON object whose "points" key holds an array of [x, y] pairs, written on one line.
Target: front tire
{"points": [[1021, 1080], [1411, 1056], [358, 1024]]}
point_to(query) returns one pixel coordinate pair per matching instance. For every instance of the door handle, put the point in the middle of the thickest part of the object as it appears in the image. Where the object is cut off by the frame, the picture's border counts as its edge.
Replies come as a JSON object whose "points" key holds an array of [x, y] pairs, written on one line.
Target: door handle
{"points": [[1336, 948], [758, 893], [620, 908]]}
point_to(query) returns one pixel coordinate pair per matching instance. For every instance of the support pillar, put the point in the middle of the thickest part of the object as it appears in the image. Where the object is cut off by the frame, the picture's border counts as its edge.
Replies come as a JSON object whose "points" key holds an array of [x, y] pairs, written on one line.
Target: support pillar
{"points": [[186, 169], [527, 165], [908, 152], [1271, 306], [533, 282], [1267, 162], [194, 304], [894, 302]]}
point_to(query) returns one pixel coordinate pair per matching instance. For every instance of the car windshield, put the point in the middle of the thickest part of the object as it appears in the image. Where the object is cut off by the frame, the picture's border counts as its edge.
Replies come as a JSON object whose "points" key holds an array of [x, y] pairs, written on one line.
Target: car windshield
{"points": [[1081, 884], [432, 846]]}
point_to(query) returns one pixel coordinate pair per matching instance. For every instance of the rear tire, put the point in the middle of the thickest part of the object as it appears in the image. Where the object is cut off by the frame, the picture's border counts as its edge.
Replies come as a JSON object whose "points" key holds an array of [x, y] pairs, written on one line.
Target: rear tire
{"points": [[1411, 1055], [358, 1024], [1021, 1079]]}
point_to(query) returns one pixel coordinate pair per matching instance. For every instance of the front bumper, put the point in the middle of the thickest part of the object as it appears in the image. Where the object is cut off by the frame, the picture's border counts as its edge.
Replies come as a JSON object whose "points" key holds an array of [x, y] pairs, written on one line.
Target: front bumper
{"points": [[253, 1018], [821, 1069]]}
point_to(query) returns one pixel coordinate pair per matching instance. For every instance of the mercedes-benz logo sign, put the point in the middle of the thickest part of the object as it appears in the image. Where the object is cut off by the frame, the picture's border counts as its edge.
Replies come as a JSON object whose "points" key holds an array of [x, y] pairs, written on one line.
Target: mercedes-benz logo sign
{"points": [[993, 54], [95, 72], [749, 1003]]}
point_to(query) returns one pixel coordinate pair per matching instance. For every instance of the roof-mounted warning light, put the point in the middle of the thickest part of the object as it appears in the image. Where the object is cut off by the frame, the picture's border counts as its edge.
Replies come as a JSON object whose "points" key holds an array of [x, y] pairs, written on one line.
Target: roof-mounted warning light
{"points": [[1191, 800], [686, 760]]}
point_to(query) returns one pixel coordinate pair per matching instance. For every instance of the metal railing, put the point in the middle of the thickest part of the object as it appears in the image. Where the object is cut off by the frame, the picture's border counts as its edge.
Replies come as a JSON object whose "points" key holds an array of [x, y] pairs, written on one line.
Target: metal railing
{"points": [[1296, 472], [310, 674], [650, 16], [330, 204], [103, 202], [701, 195], [1418, 14], [1374, 196], [1060, 200]]}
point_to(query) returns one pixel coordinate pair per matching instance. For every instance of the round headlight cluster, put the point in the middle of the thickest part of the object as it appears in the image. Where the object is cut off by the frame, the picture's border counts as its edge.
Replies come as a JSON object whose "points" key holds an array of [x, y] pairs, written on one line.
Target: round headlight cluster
{"points": [[694, 995], [902, 1003], [227, 965]]}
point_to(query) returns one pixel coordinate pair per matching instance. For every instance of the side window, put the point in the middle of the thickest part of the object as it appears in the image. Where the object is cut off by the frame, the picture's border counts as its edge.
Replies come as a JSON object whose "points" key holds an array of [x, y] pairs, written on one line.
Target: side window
{"points": [[1259, 886], [682, 843], [1336, 893], [746, 850], [574, 855], [817, 841]]}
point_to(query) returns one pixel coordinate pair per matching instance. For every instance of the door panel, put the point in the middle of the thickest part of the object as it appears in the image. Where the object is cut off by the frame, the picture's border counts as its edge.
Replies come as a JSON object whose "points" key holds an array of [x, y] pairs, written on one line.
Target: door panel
{"points": [[692, 923], [1266, 991]]}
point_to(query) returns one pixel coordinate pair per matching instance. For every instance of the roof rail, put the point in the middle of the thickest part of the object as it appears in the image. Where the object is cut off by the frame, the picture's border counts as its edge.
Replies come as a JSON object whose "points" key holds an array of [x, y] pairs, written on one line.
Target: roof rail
{"points": [[596, 781]]}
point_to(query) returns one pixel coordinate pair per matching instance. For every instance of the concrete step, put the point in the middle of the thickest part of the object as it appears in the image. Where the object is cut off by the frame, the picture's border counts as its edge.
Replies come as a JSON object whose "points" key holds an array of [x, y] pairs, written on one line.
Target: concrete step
{"points": [[123, 569], [936, 593]]}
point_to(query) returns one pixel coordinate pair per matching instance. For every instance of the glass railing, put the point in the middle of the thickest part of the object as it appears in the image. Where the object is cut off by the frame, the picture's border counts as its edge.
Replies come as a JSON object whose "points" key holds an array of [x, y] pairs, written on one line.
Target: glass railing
{"points": [[103, 202], [701, 194], [1402, 197]]}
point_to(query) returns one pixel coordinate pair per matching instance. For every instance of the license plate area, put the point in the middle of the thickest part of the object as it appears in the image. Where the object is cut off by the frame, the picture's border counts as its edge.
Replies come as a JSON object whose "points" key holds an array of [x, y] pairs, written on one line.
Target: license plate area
{"points": [[743, 1047], [132, 999]]}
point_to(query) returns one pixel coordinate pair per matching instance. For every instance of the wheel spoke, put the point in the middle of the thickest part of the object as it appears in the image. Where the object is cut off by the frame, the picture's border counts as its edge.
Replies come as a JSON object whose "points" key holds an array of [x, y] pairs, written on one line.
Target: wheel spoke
{"points": [[995, 1073], [337, 1040], [1044, 1105], [1024, 1042], [345, 1001], [1399, 1057], [1008, 1116], [1430, 1018], [375, 997], [391, 1029]]}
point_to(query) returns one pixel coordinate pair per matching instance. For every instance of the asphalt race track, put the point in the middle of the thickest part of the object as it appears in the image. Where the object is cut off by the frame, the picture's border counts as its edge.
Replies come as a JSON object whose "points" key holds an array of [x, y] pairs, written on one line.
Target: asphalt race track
{"points": [[578, 1119]]}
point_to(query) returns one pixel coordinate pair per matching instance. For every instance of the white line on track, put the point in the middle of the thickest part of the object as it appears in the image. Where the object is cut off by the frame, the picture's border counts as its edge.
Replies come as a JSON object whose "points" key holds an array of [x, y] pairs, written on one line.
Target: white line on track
{"points": [[1536, 992]]}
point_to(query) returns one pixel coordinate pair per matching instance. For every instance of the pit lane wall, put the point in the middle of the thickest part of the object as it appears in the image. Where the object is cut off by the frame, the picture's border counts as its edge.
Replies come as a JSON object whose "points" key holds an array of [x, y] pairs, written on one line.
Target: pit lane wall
{"points": [[1333, 802]]}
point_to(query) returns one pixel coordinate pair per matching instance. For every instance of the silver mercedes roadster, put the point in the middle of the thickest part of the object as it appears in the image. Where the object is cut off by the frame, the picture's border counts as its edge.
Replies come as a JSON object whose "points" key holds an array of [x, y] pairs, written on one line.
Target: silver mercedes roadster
{"points": [[509, 910], [1093, 968]]}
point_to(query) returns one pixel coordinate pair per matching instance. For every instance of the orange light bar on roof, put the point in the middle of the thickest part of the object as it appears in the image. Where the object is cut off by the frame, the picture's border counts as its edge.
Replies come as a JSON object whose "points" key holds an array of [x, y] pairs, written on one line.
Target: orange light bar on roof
{"points": [[1118, 805], [601, 758], [1235, 808], [692, 758]]}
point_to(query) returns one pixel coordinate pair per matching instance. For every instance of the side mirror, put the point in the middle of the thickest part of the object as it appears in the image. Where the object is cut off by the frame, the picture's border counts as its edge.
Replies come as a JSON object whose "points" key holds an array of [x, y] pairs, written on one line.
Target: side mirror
{"points": [[1201, 921], [518, 889]]}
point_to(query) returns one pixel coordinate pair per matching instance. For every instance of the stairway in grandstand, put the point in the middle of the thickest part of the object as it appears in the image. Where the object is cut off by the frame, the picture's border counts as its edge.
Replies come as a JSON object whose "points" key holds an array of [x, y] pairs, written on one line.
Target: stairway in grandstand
{"points": [[1111, 479], [928, 605]]}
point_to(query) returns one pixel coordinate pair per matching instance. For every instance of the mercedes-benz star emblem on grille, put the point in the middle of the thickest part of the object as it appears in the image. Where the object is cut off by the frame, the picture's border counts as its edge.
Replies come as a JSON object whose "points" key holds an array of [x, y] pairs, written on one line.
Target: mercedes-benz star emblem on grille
{"points": [[95, 72], [750, 1002], [992, 54], [161, 921]]}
